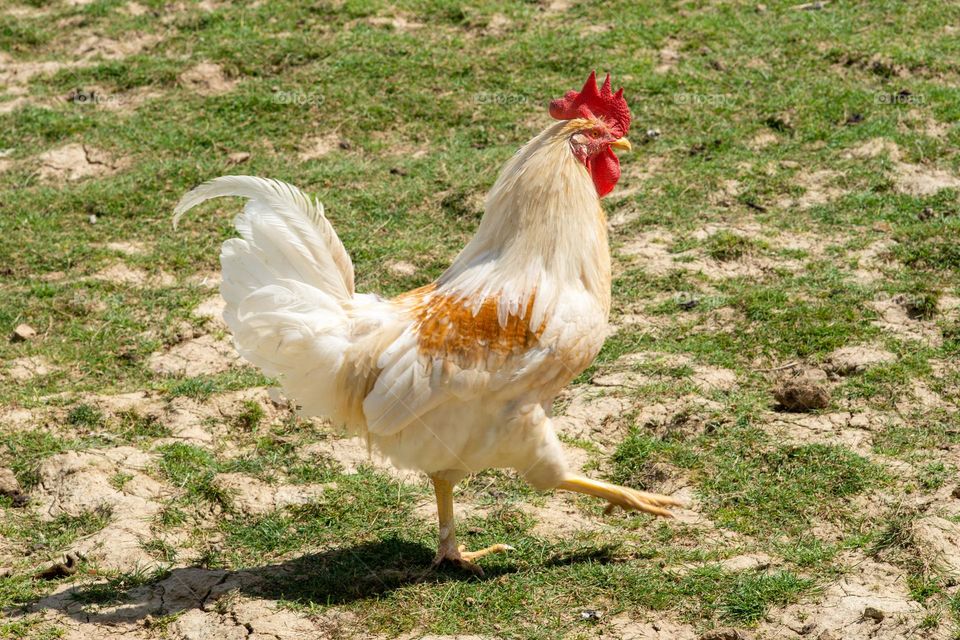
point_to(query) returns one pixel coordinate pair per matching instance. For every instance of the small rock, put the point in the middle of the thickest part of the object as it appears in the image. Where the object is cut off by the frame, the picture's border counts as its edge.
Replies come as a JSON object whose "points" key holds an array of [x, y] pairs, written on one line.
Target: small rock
{"points": [[761, 8], [22, 333], [238, 157], [343, 144], [8, 483], [872, 613], [800, 394]]}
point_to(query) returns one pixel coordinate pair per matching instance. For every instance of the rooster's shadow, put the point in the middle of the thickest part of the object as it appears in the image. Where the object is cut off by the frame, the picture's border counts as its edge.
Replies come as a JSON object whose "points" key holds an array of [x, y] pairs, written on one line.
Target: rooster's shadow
{"points": [[337, 576]]}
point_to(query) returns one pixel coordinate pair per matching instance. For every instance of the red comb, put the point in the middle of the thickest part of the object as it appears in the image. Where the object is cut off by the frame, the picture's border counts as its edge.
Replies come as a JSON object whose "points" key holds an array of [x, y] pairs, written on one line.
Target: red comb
{"points": [[593, 102]]}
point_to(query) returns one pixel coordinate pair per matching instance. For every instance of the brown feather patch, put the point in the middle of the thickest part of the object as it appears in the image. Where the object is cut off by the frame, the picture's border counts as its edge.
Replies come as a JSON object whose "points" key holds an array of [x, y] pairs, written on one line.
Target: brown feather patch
{"points": [[446, 326]]}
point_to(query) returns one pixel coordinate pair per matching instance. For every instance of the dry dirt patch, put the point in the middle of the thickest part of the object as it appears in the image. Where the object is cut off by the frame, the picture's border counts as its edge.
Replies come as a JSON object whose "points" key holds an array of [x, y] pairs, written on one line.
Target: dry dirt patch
{"points": [[852, 430], [763, 139], [858, 358], [818, 189], [840, 610], [96, 46], [668, 57], [252, 496], [74, 483], [872, 260], [895, 319], [921, 180], [212, 309], [29, 367], [128, 248], [121, 273], [912, 179], [401, 268], [15, 74], [318, 146], [77, 161], [397, 23], [651, 250], [199, 356], [352, 453], [939, 543], [207, 79]]}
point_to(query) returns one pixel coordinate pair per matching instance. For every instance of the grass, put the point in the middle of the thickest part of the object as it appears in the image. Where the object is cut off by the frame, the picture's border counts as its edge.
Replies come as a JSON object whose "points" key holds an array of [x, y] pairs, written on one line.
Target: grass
{"points": [[419, 120]]}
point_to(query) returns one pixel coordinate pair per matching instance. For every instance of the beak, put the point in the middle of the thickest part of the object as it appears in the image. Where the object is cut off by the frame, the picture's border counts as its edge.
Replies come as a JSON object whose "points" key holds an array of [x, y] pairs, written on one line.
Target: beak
{"points": [[622, 145]]}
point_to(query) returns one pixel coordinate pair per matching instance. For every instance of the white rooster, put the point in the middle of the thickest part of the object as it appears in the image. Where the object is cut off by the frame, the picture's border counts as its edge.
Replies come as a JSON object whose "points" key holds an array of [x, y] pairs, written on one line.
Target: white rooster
{"points": [[459, 375]]}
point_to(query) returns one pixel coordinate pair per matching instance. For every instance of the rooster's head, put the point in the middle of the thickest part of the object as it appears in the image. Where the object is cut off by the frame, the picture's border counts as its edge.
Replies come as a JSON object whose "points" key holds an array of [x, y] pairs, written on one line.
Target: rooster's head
{"points": [[602, 121]]}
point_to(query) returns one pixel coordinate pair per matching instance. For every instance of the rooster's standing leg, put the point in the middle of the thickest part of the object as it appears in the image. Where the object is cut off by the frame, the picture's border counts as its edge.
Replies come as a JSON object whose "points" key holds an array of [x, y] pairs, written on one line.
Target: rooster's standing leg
{"points": [[449, 551], [617, 496]]}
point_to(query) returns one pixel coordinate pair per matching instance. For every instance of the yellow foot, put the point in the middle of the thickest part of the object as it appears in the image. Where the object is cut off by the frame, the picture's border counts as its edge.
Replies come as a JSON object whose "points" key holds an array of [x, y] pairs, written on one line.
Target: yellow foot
{"points": [[623, 497], [633, 500], [463, 559]]}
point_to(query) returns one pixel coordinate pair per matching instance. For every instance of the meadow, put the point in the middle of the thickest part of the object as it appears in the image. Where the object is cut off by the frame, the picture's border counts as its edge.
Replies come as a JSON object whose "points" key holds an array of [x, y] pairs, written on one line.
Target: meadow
{"points": [[783, 351]]}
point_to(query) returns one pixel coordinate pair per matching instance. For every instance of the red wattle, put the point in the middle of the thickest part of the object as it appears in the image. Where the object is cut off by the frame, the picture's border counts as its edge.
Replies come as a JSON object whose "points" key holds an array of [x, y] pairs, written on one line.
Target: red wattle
{"points": [[604, 168]]}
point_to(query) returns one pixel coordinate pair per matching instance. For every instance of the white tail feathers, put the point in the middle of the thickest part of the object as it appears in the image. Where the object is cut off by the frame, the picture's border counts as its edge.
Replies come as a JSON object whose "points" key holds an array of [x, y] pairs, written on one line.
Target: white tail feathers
{"points": [[284, 229], [285, 283]]}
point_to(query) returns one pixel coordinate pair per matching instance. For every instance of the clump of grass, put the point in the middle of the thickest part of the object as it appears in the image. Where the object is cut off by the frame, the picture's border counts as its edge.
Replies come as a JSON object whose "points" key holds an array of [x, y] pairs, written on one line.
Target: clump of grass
{"points": [[759, 491], [26, 449], [341, 513], [196, 388], [161, 550], [934, 475], [193, 469], [119, 480], [752, 593], [725, 246], [56, 534], [115, 589], [250, 416], [86, 415], [134, 426], [926, 430], [922, 305], [171, 516]]}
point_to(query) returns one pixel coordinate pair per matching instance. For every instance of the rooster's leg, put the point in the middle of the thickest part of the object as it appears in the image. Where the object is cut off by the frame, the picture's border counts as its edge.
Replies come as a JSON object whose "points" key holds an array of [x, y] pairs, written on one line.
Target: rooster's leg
{"points": [[449, 551], [619, 496]]}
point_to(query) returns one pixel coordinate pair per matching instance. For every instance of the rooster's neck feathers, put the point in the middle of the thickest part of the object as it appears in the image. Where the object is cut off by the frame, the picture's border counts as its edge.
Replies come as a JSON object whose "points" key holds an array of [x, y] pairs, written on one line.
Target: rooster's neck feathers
{"points": [[543, 232]]}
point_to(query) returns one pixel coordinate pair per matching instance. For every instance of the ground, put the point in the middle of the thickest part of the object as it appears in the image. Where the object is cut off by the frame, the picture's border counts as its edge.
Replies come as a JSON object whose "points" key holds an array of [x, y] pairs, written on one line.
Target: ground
{"points": [[783, 352]]}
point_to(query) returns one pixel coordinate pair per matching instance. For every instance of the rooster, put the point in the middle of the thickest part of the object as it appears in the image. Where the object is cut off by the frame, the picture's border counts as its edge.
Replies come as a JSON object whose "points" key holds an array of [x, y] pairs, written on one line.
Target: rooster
{"points": [[459, 375]]}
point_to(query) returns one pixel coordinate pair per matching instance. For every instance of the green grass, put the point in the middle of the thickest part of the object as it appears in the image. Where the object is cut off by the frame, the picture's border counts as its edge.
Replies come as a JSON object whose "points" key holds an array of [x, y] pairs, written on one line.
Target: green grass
{"points": [[426, 117]]}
